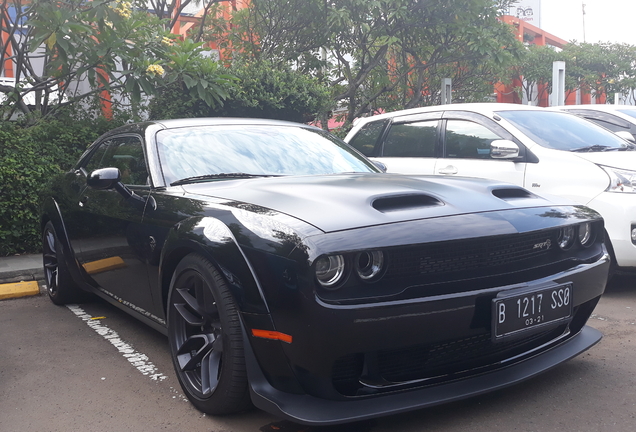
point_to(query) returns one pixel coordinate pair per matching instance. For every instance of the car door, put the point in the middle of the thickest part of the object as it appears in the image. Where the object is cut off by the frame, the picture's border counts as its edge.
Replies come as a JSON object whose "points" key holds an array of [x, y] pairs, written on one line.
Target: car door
{"points": [[410, 144], [106, 228], [466, 139]]}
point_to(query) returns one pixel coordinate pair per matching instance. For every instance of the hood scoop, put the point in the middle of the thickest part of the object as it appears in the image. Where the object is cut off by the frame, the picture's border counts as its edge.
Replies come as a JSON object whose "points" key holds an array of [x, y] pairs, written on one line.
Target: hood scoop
{"points": [[512, 193], [404, 202]]}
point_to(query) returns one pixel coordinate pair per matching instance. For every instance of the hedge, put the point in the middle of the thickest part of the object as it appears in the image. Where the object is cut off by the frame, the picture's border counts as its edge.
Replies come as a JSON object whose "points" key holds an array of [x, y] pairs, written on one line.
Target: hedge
{"points": [[29, 156], [262, 90]]}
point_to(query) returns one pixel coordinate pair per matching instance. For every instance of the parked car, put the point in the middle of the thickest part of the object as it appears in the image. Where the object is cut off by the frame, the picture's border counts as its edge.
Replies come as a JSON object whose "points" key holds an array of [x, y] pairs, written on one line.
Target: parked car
{"points": [[620, 119], [288, 272], [546, 151]]}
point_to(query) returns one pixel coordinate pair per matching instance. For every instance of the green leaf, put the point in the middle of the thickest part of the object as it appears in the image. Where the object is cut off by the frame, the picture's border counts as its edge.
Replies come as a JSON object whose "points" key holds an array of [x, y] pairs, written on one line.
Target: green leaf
{"points": [[189, 81], [136, 93]]}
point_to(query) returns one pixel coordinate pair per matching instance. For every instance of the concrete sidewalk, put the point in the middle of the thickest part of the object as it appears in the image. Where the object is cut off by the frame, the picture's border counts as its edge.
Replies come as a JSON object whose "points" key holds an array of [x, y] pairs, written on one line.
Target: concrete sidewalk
{"points": [[21, 275]]}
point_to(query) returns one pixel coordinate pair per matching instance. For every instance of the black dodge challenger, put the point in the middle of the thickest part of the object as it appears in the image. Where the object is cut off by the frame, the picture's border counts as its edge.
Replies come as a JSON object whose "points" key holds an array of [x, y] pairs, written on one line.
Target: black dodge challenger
{"points": [[290, 273]]}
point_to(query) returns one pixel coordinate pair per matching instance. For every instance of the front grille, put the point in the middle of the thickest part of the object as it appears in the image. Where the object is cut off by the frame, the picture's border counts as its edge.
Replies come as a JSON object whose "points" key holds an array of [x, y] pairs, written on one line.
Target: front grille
{"points": [[453, 356], [440, 361], [468, 255]]}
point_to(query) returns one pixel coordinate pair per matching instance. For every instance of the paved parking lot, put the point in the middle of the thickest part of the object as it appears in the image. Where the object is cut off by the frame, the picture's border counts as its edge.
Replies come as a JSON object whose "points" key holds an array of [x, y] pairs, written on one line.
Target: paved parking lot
{"points": [[93, 368]]}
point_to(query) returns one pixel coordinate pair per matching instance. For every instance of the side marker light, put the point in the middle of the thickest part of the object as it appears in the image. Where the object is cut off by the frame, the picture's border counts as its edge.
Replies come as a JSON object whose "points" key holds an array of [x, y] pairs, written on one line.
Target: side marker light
{"points": [[274, 335]]}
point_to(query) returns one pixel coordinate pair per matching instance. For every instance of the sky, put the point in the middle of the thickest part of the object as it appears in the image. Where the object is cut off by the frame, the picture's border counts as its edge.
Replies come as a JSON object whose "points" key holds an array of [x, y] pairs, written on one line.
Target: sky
{"points": [[605, 20]]}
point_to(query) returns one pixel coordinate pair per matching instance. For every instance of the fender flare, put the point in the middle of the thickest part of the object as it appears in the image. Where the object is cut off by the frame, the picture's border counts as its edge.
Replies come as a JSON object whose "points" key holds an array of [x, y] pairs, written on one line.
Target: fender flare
{"points": [[211, 238], [50, 212]]}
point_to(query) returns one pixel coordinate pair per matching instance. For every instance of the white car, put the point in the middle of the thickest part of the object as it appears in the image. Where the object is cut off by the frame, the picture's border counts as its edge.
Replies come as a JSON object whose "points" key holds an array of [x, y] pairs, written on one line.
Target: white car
{"points": [[546, 151], [620, 119]]}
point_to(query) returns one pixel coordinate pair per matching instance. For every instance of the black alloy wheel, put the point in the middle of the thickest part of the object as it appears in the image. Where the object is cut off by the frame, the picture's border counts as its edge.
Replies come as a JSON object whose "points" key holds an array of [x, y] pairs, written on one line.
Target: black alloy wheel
{"points": [[59, 284], [206, 341]]}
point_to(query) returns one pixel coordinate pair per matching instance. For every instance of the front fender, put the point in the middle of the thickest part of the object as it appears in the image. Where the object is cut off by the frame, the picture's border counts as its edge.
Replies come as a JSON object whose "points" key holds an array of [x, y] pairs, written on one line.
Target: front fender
{"points": [[50, 211], [213, 239]]}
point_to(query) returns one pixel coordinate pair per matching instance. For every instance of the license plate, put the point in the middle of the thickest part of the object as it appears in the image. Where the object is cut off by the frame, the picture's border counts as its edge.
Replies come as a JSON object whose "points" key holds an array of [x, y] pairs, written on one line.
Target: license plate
{"points": [[516, 313]]}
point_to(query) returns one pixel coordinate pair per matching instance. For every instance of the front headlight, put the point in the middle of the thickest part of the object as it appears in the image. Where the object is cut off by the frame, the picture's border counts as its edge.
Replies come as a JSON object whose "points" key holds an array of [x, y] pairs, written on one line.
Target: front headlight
{"points": [[620, 180], [586, 236], [566, 237], [330, 270], [369, 264]]}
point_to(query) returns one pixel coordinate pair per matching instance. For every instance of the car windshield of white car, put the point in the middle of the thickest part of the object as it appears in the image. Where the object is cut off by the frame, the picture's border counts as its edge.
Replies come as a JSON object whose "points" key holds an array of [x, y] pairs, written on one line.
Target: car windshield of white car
{"points": [[212, 153], [562, 131]]}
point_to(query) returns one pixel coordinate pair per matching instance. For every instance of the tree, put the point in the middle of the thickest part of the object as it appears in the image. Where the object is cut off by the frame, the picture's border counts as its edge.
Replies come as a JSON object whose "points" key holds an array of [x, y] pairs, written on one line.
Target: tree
{"points": [[379, 53], [534, 71], [56, 47], [605, 68], [601, 68], [462, 40]]}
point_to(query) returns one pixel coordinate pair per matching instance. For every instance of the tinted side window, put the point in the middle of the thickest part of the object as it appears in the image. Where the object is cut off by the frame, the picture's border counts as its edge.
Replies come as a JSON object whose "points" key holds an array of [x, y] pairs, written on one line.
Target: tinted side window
{"points": [[125, 153], [608, 125], [95, 161], [468, 140], [411, 140], [367, 137], [607, 120]]}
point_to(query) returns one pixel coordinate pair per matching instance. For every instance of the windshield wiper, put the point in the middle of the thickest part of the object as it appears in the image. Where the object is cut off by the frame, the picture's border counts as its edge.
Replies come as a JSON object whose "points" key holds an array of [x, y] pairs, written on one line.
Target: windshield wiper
{"points": [[594, 148], [201, 178]]}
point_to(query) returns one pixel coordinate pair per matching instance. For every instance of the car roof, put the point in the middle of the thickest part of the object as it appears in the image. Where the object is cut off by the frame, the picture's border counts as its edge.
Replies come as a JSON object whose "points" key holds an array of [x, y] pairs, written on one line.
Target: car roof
{"points": [[202, 121], [486, 108], [598, 107]]}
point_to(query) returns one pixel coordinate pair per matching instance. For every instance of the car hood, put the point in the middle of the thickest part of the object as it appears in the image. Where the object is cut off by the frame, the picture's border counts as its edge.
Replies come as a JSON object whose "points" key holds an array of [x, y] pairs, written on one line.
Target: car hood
{"points": [[616, 159], [341, 202]]}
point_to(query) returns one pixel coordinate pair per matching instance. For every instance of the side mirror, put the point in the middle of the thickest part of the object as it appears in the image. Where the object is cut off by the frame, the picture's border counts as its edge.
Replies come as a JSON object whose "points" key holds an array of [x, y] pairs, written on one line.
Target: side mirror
{"points": [[379, 165], [110, 178], [104, 178], [626, 136], [504, 149]]}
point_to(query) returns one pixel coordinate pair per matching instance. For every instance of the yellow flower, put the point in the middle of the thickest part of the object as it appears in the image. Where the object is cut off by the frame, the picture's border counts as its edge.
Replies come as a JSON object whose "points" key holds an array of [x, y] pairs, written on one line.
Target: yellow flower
{"points": [[166, 40], [154, 69], [123, 8]]}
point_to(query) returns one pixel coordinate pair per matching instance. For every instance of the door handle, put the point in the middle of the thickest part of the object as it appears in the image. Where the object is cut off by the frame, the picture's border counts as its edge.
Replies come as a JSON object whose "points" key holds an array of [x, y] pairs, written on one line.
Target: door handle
{"points": [[450, 169]]}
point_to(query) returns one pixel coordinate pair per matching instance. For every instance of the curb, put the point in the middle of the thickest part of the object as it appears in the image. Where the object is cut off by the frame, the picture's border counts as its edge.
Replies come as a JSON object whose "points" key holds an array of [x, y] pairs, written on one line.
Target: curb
{"points": [[21, 282], [19, 289], [14, 276]]}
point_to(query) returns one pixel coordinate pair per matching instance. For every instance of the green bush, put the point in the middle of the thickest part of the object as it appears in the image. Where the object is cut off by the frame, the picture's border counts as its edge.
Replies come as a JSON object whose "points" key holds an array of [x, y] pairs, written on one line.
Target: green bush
{"points": [[23, 167], [262, 91], [29, 156]]}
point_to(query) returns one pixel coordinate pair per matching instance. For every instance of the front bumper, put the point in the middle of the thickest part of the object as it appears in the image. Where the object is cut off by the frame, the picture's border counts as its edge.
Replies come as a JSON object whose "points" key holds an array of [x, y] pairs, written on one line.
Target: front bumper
{"points": [[311, 410]]}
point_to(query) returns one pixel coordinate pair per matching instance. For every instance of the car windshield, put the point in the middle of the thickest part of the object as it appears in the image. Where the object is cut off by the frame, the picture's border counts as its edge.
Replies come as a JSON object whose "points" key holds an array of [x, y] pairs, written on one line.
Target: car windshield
{"points": [[630, 112], [208, 153], [562, 131]]}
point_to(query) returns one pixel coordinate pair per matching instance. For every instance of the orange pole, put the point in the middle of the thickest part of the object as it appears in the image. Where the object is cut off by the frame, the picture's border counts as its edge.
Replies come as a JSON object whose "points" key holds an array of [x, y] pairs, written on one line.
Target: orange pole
{"points": [[7, 67], [176, 29], [106, 100]]}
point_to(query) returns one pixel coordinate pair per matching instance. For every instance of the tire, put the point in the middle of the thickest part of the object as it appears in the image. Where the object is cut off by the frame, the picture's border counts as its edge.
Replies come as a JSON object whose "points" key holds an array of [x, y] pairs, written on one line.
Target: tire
{"points": [[206, 341], [59, 284]]}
